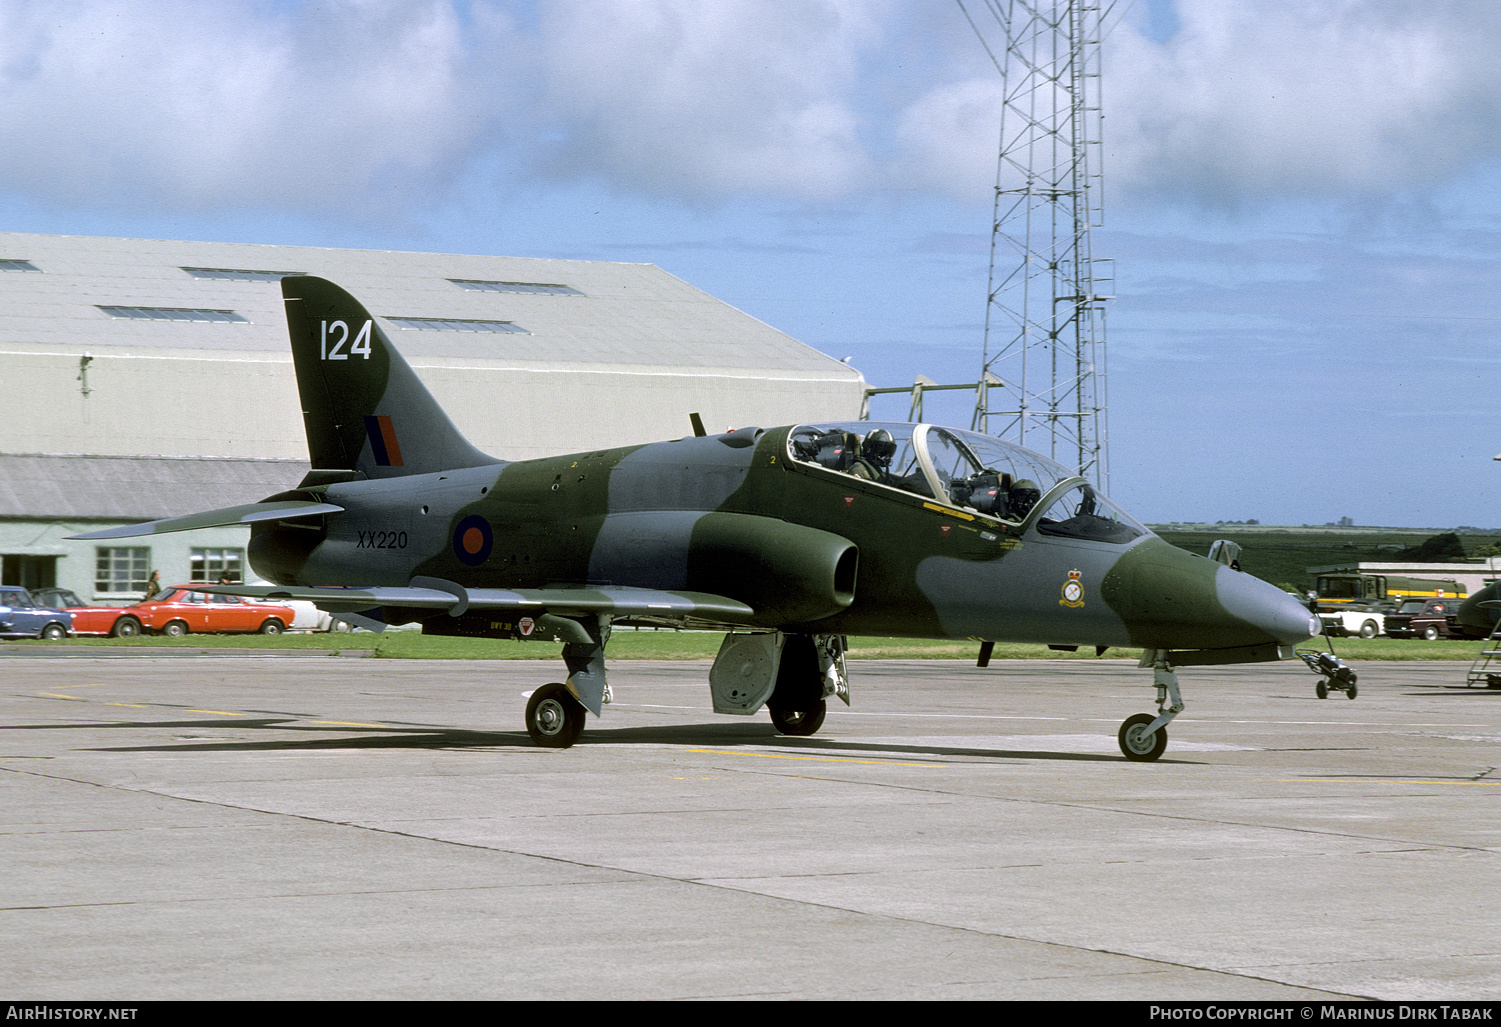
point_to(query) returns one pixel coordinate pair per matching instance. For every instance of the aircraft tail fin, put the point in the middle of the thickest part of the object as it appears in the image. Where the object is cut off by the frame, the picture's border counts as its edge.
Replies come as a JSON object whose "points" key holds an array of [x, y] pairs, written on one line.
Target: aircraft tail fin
{"points": [[364, 408]]}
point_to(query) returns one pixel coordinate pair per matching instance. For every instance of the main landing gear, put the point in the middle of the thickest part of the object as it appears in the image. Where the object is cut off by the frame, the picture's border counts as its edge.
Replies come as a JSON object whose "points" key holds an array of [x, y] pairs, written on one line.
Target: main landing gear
{"points": [[793, 676], [554, 718], [798, 722], [555, 712], [811, 671], [1142, 736]]}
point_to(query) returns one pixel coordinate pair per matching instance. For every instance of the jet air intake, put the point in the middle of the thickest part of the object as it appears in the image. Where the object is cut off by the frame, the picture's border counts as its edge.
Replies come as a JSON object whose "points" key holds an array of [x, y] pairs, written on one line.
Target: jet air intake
{"points": [[278, 549], [788, 573]]}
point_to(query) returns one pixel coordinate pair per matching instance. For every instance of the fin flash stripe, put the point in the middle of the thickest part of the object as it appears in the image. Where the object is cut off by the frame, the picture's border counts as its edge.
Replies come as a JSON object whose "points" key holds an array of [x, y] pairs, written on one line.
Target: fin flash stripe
{"points": [[383, 440]]}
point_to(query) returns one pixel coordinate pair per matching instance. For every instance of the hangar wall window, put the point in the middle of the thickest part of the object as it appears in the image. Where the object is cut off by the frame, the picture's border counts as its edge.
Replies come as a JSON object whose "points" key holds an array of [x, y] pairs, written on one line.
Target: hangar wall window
{"points": [[175, 314], [436, 324], [121, 570], [18, 265], [531, 288], [213, 564], [225, 274]]}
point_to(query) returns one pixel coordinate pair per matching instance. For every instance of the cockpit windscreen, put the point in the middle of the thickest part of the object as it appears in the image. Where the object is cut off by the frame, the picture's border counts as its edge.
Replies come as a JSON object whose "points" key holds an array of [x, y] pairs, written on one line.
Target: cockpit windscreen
{"points": [[963, 469]]}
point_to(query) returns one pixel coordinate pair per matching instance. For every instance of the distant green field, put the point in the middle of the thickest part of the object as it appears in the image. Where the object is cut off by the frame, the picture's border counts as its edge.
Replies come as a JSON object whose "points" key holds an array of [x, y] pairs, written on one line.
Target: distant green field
{"points": [[683, 645], [1282, 557]]}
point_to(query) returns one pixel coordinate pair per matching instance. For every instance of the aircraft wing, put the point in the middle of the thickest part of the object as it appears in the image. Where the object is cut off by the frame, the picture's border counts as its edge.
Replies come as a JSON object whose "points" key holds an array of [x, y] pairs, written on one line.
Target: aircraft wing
{"points": [[619, 602], [246, 514]]}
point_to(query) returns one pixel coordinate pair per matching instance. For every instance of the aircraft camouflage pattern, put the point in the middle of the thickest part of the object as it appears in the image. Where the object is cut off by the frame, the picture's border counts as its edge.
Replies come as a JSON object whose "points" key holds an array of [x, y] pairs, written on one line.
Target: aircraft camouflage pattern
{"points": [[788, 539]]}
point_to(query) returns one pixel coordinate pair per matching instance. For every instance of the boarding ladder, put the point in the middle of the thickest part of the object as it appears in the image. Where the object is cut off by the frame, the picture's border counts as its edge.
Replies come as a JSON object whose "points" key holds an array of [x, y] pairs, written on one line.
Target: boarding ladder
{"points": [[1486, 670]]}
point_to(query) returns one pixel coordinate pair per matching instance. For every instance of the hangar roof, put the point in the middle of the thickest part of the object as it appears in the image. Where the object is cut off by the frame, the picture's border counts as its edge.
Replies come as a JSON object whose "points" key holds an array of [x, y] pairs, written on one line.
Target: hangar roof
{"points": [[46, 486], [142, 294]]}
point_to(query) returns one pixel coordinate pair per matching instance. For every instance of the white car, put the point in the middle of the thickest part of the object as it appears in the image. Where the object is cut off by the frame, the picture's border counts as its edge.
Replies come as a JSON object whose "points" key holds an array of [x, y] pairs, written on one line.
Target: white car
{"points": [[1365, 621]]}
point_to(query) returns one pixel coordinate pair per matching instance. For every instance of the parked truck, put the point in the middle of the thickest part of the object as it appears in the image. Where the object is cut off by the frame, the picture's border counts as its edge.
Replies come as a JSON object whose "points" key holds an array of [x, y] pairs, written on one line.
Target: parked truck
{"points": [[1334, 590], [1358, 603]]}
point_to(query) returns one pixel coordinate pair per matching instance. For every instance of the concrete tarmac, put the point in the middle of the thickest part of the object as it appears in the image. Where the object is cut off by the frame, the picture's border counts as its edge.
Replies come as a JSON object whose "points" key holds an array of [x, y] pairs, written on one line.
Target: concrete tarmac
{"points": [[318, 827]]}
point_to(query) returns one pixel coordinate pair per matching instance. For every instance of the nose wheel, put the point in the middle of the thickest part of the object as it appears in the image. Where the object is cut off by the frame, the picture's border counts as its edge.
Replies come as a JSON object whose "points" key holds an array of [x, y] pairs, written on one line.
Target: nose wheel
{"points": [[1138, 741]]}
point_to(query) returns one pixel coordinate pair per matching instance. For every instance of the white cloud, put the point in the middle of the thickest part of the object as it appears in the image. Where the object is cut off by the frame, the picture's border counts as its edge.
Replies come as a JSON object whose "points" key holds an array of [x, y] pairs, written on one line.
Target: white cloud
{"points": [[707, 99], [1280, 97], [333, 105], [340, 105], [1270, 97], [949, 137], [204, 105]]}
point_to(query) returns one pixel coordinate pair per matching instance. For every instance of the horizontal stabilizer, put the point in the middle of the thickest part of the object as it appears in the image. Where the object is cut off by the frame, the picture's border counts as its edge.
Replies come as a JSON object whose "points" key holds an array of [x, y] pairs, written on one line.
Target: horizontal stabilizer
{"points": [[614, 601], [247, 514]]}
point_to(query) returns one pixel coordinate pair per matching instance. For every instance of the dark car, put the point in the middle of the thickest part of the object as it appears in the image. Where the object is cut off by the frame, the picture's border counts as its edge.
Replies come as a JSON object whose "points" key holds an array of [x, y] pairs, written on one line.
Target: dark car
{"points": [[22, 617], [1425, 618]]}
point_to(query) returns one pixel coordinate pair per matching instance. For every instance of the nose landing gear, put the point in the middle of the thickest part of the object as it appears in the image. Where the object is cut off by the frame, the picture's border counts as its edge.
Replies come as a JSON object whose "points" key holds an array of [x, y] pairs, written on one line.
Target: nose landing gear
{"points": [[1142, 736]]}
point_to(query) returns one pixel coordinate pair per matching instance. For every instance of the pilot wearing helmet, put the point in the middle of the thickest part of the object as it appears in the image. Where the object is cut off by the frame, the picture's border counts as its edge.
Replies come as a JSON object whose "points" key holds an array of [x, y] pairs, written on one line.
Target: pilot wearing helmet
{"points": [[1024, 496], [874, 461]]}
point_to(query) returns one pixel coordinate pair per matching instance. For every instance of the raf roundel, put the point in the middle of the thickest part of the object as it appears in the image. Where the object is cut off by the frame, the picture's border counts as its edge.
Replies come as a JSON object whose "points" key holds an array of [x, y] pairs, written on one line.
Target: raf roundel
{"points": [[472, 540]]}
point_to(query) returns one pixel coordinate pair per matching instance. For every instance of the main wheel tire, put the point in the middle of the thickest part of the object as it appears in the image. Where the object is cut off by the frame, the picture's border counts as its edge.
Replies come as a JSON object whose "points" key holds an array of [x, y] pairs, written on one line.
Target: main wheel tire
{"points": [[175, 629], [54, 633], [1350, 691], [799, 723], [1135, 744], [1321, 689], [1430, 633], [273, 627], [554, 718], [1369, 629], [125, 627]]}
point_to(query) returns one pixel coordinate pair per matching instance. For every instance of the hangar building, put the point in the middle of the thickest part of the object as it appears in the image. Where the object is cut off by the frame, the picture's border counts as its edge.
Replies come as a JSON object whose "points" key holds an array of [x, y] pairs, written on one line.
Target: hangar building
{"points": [[145, 378]]}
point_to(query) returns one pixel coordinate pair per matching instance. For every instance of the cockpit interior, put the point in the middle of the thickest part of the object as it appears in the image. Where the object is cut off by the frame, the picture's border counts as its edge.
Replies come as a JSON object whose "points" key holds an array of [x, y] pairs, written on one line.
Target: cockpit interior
{"points": [[968, 471]]}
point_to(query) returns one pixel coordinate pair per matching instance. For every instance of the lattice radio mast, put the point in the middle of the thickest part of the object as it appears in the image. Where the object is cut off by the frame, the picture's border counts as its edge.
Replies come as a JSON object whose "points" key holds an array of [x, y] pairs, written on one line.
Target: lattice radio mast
{"points": [[1045, 314]]}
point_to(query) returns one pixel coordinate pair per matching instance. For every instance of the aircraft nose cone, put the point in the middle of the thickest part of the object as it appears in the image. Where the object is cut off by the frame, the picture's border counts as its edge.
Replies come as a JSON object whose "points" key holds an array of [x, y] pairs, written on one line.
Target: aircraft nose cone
{"points": [[1283, 617], [1170, 599]]}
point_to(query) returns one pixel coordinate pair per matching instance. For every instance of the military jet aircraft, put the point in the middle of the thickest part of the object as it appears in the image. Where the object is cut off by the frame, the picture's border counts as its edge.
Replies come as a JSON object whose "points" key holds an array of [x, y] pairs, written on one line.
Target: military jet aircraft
{"points": [[1478, 615], [787, 539]]}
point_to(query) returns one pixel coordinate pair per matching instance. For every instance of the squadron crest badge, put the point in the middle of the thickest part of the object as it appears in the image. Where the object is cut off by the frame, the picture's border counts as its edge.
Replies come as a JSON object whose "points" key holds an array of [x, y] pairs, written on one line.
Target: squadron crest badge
{"points": [[1073, 591]]}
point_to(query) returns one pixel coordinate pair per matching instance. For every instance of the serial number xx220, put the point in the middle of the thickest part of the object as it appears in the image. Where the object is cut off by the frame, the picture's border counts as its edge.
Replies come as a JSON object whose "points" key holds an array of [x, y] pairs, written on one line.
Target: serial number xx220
{"points": [[382, 540]]}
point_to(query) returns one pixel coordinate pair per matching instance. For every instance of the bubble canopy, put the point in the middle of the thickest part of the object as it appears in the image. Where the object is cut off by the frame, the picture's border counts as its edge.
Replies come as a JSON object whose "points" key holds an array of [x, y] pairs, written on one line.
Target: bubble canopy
{"points": [[967, 471]]}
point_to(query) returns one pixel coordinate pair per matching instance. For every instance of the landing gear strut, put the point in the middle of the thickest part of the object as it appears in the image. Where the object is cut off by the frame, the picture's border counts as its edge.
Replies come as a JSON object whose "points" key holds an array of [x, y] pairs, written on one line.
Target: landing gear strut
{"points": [[1142, 736]]}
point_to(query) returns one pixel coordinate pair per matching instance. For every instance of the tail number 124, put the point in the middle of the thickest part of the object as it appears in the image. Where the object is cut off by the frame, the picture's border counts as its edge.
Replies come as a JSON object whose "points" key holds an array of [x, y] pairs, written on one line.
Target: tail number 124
{"points": [[336, 334]]}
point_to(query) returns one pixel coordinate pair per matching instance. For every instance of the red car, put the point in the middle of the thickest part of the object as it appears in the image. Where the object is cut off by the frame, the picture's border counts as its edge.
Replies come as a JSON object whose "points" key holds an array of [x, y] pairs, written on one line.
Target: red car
{"points": [[118, 621], [178, 610]]}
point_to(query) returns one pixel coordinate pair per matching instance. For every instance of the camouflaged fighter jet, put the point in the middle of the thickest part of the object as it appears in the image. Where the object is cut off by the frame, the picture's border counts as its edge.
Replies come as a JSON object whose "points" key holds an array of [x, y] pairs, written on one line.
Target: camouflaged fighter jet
{"points": [[787, 539]]}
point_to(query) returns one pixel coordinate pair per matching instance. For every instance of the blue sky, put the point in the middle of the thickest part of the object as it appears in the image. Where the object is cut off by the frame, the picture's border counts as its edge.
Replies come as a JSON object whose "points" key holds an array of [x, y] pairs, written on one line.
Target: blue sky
{"points": [[1301, 197]]}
